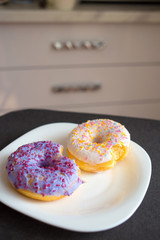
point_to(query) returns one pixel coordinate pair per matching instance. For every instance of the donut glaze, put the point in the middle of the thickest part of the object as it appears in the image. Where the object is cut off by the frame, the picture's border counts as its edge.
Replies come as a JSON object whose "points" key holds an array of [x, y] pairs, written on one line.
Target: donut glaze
{"points": [[39, 170], [97, 145]]}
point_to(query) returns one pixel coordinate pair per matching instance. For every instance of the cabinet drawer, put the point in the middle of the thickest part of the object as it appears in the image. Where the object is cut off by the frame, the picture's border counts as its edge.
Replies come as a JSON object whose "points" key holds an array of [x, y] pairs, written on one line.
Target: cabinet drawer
{"points": [[117, 86], [31, 44]]}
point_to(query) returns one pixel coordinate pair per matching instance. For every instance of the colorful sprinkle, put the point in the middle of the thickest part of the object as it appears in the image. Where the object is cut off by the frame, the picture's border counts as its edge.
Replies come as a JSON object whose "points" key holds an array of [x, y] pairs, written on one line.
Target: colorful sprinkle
{"points": [[40, 167], [94, 140]]}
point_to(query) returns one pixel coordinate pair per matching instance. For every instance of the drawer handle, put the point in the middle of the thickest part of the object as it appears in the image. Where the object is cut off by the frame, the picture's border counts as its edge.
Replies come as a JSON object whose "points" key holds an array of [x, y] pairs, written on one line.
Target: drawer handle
{"points": [[76, 88], [75, 45]]}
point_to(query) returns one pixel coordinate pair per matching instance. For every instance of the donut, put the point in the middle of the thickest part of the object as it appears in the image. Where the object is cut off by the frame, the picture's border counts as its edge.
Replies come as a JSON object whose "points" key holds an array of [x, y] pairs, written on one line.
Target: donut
{"points": [[97, 145], [40, 171]]}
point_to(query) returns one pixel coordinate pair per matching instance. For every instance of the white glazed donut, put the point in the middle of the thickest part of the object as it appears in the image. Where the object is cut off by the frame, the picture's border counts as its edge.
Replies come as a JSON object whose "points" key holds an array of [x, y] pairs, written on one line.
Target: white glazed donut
{"points": [[97, 145]]}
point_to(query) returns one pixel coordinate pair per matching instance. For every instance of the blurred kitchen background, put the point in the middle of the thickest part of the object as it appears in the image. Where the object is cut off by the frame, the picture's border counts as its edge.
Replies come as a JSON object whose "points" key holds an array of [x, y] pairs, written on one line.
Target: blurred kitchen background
{"points": [[81, 56]]}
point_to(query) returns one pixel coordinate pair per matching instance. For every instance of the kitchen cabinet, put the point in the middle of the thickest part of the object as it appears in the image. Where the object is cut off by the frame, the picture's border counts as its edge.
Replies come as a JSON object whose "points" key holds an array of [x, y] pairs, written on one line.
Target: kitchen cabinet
{"points": [[120, 78]]}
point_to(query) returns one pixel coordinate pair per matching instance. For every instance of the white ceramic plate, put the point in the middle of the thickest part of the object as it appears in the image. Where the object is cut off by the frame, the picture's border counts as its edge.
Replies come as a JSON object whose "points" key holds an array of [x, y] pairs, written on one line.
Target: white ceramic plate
{"points": [[106, 199]]}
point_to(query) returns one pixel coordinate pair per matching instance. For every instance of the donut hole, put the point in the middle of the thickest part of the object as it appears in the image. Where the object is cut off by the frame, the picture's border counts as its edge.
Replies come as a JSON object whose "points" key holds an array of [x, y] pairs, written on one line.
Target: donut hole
{"points": [[51, 164], [44, 165], [98, 140]]}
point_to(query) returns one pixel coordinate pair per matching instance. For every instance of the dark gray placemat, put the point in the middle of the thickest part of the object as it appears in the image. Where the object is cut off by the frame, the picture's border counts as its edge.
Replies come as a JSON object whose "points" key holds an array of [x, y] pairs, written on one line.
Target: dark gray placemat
{"points": [[145, 222]]}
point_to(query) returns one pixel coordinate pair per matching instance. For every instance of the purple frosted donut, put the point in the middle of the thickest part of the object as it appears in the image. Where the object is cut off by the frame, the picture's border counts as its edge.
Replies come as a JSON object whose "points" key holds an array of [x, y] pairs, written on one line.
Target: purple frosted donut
{"points": [[40, 171]]}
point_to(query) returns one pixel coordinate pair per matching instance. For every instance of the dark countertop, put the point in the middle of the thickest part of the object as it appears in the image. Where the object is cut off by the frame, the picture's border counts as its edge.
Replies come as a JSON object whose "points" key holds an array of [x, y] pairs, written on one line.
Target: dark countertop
{"points": [[145, 222]]}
